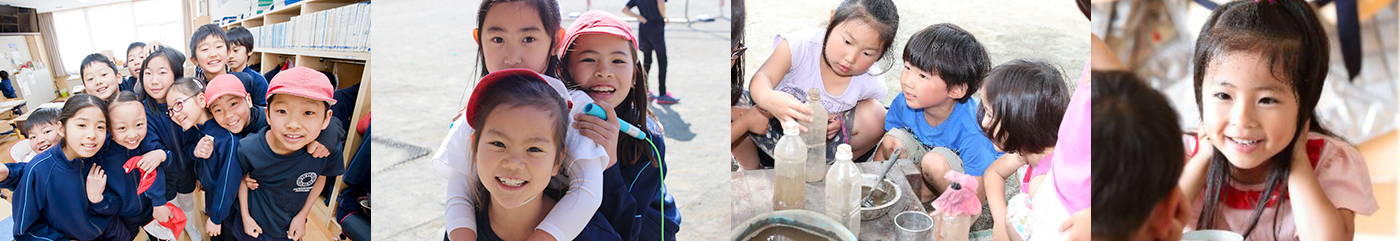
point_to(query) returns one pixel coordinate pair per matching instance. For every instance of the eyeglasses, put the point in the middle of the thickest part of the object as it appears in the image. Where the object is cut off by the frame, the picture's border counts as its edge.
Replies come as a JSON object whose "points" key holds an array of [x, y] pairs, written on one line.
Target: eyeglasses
{"points": [[179, 104]]}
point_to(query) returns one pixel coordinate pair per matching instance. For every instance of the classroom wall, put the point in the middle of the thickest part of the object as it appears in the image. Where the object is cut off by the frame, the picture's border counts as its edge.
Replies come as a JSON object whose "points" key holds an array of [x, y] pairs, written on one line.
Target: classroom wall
{"points": [[38, 82]]}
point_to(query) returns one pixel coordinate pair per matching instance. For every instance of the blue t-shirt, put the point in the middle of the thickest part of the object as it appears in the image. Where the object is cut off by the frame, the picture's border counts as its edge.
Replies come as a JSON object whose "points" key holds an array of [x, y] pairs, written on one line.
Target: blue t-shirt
{"points": [[960, 132]]}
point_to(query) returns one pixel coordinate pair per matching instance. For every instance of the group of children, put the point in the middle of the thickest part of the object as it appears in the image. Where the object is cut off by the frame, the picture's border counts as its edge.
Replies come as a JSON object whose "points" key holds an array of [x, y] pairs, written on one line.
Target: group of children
{"points": [[1260, 159], [260, 151], [937, 119], [523, 160]]}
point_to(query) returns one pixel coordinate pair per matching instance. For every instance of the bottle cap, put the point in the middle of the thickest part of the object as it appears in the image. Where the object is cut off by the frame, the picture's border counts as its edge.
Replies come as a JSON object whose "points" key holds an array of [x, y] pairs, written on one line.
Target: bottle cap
{"points": [[790, 128], [843, 152]]}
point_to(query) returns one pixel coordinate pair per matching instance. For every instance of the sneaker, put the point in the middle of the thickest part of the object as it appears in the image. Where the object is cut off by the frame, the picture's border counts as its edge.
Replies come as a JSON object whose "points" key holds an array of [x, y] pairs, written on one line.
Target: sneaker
{"points": [[667, 99]]}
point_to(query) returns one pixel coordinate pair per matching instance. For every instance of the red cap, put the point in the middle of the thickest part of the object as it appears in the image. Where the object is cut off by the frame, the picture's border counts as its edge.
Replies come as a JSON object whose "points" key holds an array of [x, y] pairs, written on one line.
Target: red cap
{"points": [[304, 82], [225, 84], [596, 21], [486, 83]]}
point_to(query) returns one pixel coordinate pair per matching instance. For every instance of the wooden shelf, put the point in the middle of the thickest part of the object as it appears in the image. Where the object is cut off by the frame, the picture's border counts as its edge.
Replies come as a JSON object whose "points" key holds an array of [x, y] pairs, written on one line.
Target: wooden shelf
{"points": [[348, 55]]}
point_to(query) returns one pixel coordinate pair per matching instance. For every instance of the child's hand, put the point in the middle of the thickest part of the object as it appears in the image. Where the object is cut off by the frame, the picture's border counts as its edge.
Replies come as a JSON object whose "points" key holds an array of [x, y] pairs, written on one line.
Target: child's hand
{"points": [[297, 229], [252, 184], [205, 147], [887, 146], [1077, 226], [96, 182], [785, 107], [602, 131], [318, 150], [161, 213], [211, 228], [251, 227], [151, 160]]}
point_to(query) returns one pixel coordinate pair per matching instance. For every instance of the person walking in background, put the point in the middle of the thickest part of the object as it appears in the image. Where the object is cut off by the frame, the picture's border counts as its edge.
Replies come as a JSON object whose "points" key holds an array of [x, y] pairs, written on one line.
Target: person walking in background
{"points": [[651, 37]]}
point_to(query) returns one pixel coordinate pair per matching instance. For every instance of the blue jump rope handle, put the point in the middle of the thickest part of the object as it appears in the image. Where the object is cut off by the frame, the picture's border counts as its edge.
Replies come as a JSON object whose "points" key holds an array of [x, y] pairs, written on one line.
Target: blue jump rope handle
{"points": [[595, 110]]}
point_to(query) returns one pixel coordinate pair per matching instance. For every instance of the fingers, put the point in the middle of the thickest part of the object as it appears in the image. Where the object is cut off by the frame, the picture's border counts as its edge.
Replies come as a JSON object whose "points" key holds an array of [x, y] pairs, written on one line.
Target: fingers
{"points": [[608, 108]]}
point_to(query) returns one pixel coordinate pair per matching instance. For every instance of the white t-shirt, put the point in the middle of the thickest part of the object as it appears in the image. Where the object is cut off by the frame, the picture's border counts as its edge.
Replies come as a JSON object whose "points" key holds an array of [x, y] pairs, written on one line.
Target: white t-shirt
{"points": [[585, 166]]}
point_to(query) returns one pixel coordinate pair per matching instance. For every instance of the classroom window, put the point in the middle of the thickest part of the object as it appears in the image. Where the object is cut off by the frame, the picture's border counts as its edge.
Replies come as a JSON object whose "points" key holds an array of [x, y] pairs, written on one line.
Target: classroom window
{"points": [[90, 30]]}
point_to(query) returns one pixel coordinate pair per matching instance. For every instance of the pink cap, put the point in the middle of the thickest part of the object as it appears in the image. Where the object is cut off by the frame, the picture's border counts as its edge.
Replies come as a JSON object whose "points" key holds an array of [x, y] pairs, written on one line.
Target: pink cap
{"points": [[304, 82], [596, 21], [486, 82], [225, 84]]}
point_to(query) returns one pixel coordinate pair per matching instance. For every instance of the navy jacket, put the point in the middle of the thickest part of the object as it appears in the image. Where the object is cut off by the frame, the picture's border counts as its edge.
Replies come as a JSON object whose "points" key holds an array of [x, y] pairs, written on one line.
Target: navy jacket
{"points": [[220, 174], [46, 205], [133, 208], [598, 229], [632, 196]]}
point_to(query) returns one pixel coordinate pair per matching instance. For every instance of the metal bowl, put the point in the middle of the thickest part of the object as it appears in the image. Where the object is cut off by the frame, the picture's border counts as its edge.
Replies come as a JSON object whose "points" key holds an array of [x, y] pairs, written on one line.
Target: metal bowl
{"points": [[880, 209], [812, 222]]}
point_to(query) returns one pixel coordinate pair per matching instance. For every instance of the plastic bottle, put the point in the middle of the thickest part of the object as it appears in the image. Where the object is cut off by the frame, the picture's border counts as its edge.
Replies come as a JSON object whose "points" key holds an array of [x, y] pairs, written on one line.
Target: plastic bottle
{"points": [[843, 190], [816, 137], [791, 159]]}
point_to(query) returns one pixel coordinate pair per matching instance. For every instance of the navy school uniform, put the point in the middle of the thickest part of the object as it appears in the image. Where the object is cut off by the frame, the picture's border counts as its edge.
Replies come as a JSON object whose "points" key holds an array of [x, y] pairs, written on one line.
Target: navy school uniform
{"points": [[598, 228], [128, 84], [46, 207], [220, 174], [255, 85], [284, 183], [179, 167], [133, 209], [631, 199]]}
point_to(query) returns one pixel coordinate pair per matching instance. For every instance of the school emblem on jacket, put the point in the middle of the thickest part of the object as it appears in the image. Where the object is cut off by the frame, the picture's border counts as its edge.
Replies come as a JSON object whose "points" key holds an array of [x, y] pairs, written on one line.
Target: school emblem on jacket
{"points": [[305, 181]]}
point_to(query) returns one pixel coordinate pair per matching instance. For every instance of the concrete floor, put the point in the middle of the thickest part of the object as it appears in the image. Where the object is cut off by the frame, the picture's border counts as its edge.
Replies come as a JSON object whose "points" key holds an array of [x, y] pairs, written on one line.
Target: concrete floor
{"points": [[424, 68]]}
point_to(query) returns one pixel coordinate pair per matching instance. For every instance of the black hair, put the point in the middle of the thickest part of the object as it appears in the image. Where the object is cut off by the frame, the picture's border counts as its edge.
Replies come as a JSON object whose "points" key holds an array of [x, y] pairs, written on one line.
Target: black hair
{"points": [[240, 36], [951, 53], [736, 41], [1138, 153], [134, 45], [177, 68], [519, 91], [880, 14], [1288, 36], [4, 74], [95, 58], [633, 109], [41, 116], [1027, 99], [122, 97], [548, 11], [77, 103], [204, 32]]}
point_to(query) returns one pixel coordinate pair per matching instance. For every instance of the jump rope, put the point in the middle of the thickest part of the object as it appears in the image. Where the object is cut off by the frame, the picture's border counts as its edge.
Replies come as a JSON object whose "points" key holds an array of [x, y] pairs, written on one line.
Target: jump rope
{"points": [[634, 132]]}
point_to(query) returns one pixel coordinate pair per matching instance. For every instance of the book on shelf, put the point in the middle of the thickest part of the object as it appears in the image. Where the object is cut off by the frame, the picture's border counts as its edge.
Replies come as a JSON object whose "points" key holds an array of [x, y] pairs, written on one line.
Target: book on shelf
{"points": [[343, 28]]}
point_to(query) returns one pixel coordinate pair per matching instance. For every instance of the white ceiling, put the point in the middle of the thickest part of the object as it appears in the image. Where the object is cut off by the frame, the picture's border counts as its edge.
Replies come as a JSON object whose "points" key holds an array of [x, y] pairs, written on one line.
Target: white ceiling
{"points": [[44, 6]]}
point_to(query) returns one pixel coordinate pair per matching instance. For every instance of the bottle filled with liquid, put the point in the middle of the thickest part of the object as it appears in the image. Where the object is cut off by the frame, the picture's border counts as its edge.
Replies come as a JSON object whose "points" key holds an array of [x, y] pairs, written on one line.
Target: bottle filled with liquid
{"points": [[843, 190], [816, 137], [790, 156]]}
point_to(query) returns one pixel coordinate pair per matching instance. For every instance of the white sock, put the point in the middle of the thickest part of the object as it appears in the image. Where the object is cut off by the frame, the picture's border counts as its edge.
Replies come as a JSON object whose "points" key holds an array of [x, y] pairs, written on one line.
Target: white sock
{"points": [[187, 200]]}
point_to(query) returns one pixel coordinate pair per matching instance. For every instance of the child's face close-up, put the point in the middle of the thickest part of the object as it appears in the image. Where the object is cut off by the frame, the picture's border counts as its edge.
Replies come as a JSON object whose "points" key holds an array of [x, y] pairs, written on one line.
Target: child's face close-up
{"points": [[852, 47], [515, 157], [1248, 114], [294, 122], [185, 110], [230, 111], [986, 122], [85, 132], [513, 37], [603, 66], [211, 54], [43, 136], [128, 124], [238, 58], [923, 89], [100, 80], [134, 59], [158, 77]]}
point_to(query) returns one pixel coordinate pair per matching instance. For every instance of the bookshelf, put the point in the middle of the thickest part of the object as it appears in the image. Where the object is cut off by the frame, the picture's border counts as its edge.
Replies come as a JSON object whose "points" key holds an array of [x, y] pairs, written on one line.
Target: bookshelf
{"points": [[330, 18]]}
